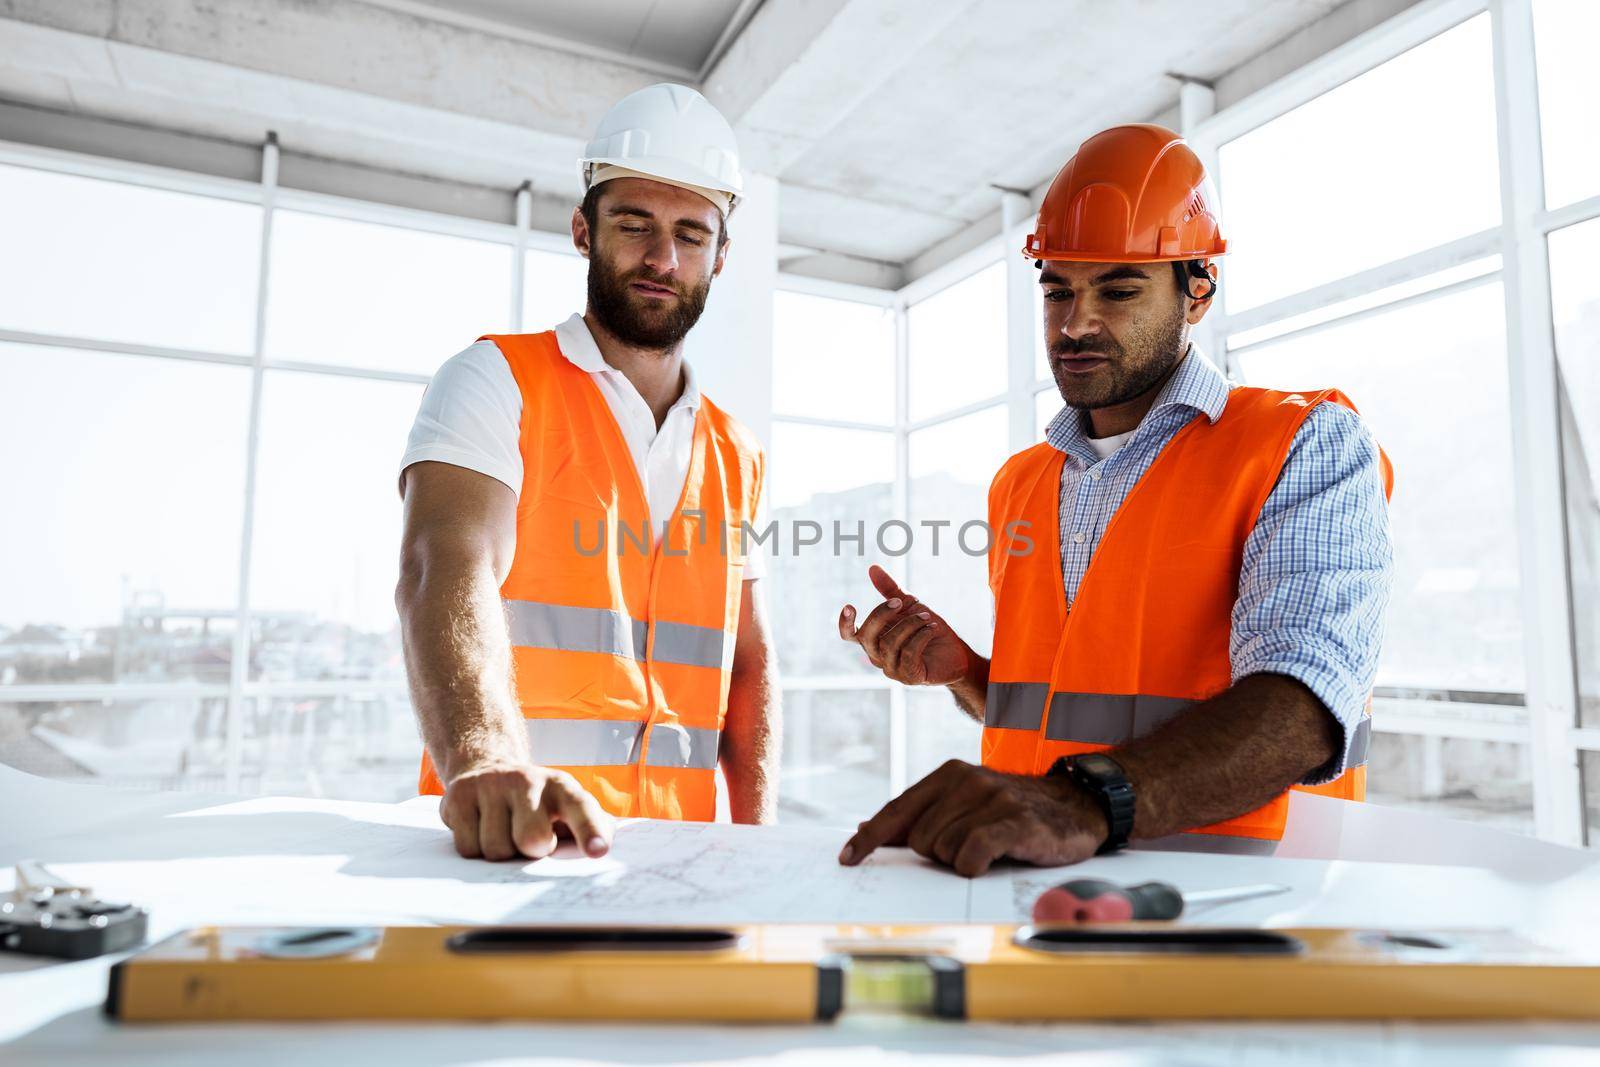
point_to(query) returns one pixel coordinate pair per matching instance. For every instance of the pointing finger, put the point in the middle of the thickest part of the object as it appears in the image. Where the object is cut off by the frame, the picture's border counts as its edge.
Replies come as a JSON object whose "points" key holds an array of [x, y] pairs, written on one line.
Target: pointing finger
{"points": [[891, 824], [883, 583]]}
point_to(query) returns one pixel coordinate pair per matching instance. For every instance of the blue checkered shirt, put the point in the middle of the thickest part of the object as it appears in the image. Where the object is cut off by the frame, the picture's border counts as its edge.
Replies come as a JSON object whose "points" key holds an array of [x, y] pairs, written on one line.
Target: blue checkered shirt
{"points": [[1314, 582]]}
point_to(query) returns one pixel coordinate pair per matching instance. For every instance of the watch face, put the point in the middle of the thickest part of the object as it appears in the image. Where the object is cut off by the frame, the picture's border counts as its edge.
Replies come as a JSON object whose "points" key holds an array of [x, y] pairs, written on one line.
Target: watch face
{"points": [[1098, 765]]}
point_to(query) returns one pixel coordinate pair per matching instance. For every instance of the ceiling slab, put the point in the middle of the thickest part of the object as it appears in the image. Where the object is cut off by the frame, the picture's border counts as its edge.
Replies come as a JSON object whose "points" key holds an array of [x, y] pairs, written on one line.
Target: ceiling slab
{"points": [[678, 36], [888, 122]]}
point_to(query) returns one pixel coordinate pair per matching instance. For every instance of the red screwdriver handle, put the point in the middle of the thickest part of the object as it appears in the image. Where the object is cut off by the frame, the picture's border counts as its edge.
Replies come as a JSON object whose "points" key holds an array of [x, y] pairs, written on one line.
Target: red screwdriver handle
{"points": [[1093, 900]]}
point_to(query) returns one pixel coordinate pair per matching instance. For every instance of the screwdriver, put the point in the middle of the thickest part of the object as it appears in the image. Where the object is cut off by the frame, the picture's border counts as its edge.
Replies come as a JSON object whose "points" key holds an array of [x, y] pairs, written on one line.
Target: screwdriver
{"points": [[1093, 900]]}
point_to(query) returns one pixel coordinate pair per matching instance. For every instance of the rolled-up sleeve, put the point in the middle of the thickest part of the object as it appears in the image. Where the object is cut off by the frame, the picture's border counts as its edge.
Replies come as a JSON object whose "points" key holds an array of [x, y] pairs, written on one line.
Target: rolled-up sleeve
{"points": [[1315, 577]]}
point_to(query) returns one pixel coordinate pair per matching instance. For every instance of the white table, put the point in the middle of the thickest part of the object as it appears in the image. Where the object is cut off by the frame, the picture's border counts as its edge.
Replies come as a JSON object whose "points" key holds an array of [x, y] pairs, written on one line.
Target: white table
{"points": [[195, 859]]}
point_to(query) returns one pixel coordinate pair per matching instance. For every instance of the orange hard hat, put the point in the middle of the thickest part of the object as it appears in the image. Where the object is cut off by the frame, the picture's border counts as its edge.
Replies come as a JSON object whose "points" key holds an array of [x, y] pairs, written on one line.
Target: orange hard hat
{"points": [[1131, 194]]}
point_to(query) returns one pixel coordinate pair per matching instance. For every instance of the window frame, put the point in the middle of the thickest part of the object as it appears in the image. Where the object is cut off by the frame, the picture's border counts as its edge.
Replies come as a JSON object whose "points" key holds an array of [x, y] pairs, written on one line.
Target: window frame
{"points": [[241, 692]]}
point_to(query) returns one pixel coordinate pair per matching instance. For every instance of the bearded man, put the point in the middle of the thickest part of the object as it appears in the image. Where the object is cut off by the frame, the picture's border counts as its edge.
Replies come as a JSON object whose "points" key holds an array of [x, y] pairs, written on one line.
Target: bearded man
{"points": [[584, 634]]}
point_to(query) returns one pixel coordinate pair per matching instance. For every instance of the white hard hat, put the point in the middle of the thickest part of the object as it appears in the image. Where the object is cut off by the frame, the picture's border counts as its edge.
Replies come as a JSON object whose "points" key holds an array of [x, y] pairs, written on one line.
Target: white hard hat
{"points": [[670, 132]]}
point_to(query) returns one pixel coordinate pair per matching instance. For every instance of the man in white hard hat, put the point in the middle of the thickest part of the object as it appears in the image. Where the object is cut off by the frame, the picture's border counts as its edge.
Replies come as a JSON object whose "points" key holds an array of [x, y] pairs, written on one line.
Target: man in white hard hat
{"points": [[584, 633]]}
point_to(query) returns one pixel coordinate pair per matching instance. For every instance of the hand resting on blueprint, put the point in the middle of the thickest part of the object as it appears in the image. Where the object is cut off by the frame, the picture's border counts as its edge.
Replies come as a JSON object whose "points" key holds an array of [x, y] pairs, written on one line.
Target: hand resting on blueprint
{"points": [[500, 810], [967, 817]]}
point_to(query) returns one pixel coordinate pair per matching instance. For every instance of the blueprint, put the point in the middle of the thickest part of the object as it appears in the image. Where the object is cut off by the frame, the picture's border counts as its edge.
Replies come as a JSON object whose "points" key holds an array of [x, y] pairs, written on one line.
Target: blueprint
{"points": [[297, 860]]}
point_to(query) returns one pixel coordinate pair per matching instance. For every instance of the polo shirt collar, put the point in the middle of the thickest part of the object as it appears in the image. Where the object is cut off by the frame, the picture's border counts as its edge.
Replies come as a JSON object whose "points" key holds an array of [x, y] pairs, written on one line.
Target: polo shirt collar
{"points": [[578, 345]]}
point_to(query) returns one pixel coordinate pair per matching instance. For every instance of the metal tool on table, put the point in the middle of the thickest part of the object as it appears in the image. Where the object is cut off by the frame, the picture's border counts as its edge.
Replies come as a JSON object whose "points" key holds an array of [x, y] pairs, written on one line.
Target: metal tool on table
{"points": [[47, 915], [1094, 900]]}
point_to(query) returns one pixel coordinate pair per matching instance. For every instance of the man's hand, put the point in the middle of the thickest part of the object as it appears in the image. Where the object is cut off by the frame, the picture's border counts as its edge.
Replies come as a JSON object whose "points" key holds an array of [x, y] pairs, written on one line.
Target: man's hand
{"points": [[967, 817], [905, 639], [500, 810]]}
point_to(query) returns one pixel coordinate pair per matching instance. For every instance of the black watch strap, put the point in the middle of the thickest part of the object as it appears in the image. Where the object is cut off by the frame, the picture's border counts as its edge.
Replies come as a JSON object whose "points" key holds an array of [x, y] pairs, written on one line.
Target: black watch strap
{"points": [[1103, 779]]}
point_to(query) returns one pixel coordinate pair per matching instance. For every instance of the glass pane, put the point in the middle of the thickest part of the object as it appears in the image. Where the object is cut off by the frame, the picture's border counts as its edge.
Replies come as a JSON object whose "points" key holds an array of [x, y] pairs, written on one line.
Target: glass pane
{"points": [[1455, 616], [835, 756], [363, 295], [327, 539], [355, 746], [89, 258], [936, 731], [819, 343], [1478, 268], [841, 480], [1047, 404], [167, 743], [1489, 783], [1397, 160], [1569, 111], [1575, 295], [952, 465], [957, 339], [555, 287], [121, 558]]}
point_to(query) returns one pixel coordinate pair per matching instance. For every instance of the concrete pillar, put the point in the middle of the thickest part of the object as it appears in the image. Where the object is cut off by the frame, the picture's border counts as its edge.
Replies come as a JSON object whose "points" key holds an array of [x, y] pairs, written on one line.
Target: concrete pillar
{"points": [[731, 347]]}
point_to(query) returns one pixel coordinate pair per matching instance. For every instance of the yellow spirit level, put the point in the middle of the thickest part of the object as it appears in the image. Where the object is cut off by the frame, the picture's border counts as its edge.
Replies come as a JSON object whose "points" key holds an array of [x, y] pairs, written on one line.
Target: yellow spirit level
{"points": [[785, 973]]}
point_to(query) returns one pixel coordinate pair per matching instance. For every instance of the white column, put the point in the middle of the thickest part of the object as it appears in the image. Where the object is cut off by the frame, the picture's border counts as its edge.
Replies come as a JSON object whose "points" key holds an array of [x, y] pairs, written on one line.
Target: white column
{"points": [[238, 668], [899, 739], [524, 219], [1535, 433], [1196, 103], [731, 347], [1022, 326]]}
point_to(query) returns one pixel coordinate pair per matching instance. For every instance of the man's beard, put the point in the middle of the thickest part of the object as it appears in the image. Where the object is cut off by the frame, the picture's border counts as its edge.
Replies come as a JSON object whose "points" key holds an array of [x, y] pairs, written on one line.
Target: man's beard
{"points": [[1120, 379], [635, 321]]}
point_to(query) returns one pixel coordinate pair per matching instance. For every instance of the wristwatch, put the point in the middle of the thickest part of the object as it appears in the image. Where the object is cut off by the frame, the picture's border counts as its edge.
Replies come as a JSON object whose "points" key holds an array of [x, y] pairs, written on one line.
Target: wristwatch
{"points": [[1102, 778]]}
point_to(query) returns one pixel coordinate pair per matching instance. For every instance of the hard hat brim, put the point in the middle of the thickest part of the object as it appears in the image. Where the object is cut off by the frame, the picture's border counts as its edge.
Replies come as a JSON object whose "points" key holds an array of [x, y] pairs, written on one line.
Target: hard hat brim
{"points": [[1106, 257], [664, 167]]}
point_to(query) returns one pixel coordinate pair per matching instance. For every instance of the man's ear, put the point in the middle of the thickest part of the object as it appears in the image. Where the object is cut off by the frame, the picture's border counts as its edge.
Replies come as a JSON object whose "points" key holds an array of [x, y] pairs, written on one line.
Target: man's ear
{"points": [[580, 232], [722, 257], [1196, 309]]}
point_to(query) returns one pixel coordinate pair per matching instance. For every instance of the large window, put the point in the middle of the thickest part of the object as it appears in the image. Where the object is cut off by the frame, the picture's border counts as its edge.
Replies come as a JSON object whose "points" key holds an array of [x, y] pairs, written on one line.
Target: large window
{"points": [[1406, 311], [851, 738], [83, 257], [830, 491], [958, 344], [1569, 109], [1392, 162], [1454, 622], [121, 655], [327, 530], [359, 294], [197, 592], [1576, 303]]}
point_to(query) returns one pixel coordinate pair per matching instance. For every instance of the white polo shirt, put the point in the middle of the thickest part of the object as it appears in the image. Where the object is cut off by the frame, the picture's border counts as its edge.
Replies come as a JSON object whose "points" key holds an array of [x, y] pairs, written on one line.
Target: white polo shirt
{"points": [[471, 416]]}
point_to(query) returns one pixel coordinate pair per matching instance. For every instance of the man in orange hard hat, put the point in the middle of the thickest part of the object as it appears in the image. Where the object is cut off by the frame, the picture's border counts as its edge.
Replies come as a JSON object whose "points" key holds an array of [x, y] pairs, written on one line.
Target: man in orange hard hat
{"points": [[1189, 577], [584, 632]]}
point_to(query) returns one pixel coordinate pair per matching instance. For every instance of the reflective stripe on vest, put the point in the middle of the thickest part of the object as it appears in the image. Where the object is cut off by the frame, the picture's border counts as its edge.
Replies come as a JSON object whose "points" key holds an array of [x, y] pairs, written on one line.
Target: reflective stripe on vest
{"points": [[570, 629], [618, 742], [1106, 718]]}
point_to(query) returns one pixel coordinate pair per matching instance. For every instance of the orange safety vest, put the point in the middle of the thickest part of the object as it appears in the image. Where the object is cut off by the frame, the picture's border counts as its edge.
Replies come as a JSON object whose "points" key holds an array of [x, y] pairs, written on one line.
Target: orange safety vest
{"points": [[622, 640], [1148, 634]]}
